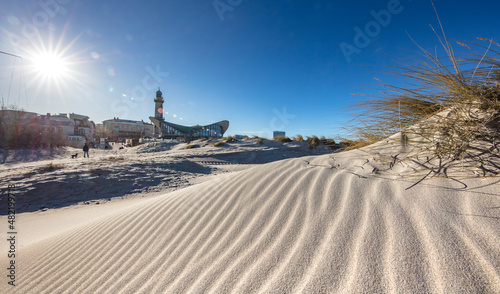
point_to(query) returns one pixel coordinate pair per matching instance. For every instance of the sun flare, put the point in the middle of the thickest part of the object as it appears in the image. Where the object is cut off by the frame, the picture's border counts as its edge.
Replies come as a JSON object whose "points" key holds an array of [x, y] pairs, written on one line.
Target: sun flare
{"points": [[50, 65], [54, 66]]}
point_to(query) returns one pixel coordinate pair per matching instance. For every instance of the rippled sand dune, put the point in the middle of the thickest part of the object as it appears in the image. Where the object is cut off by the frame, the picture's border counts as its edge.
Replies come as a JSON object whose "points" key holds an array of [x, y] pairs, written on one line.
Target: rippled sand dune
{"points": [[304, 225]]}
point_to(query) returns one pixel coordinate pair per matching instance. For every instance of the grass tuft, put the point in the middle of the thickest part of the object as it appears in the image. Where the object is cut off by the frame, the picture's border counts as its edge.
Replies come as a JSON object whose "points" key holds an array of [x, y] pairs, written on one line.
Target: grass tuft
{"points": [[298, 138], [313, 142], [328, 142], [230, 139], [258, 140], [282, 139], [218, 144]]}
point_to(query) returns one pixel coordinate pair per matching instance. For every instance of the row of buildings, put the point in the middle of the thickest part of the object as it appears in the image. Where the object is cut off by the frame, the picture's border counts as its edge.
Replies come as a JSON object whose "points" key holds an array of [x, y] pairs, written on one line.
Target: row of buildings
{"points": [[78, 129], [73, 128]]}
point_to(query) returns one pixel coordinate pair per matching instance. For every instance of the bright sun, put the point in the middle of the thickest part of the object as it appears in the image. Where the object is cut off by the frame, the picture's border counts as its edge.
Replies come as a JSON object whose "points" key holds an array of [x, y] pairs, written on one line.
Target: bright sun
{"points": [[53, 66], [50, 65]]}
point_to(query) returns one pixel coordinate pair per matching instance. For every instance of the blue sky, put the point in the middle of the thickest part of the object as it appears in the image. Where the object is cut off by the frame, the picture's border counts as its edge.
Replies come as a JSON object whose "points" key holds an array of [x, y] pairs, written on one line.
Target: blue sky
{"points": [[262, 65]]}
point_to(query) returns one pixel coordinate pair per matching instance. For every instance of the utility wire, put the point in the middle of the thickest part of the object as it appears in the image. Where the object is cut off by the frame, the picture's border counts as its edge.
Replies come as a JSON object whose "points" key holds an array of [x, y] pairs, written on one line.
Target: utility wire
{"points": [[12, 77], [24, 80], [11, 54]]}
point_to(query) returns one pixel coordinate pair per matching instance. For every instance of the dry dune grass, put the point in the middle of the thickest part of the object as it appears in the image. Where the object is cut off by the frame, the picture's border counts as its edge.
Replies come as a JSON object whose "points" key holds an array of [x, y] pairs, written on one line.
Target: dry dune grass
{"points": [[219, 143], [451, 107], [258, 140], [298, 138], [313, 142], [283, 139], [191, 146]]}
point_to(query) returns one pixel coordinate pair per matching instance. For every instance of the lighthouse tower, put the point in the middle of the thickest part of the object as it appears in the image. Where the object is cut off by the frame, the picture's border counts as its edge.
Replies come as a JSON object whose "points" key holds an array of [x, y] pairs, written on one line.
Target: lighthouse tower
{"points": [[159, 105]]}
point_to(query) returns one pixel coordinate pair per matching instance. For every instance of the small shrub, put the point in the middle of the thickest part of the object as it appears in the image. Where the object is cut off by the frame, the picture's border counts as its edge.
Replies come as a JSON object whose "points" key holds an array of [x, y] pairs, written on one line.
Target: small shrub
{"points": [[191, 146], [298, 138]]}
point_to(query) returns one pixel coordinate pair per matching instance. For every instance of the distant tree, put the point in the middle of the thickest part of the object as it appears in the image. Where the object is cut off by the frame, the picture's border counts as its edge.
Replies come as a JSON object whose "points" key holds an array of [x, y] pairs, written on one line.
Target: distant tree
{"points": [[19, 130]]}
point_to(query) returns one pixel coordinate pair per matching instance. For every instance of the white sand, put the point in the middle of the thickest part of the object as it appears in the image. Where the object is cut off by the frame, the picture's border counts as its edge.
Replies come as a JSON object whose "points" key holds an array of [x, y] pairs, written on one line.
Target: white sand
{"points": [[50, 178], [316, 224]]}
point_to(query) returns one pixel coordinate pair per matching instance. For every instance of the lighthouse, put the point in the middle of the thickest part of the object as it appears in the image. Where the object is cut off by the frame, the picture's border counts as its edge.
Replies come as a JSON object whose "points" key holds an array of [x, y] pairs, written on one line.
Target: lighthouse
{"points": [[159, 105], [170, 130]]}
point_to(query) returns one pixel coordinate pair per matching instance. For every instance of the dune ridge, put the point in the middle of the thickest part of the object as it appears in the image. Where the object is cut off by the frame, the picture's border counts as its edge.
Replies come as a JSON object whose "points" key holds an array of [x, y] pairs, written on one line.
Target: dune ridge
{"points": [[292, 226]]}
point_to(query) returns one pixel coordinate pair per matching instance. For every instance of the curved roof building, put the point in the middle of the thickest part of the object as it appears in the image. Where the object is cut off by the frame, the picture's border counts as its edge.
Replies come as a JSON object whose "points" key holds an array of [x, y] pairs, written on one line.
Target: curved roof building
{"points": [[166, 129]]}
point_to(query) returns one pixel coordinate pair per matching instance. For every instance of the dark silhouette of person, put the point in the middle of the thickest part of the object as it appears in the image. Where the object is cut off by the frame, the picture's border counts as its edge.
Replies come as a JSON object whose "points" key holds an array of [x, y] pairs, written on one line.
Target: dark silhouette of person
{"points": [[86, 150]]}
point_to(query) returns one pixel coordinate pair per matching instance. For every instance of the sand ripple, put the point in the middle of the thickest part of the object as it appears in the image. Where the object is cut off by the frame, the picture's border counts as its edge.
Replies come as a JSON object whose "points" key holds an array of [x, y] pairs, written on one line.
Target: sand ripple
{"points": [[284, 227]]}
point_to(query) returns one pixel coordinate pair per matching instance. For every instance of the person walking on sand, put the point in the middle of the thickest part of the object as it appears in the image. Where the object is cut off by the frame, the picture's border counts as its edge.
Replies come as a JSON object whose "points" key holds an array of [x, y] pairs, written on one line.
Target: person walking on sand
{"points": [[86, 150]]}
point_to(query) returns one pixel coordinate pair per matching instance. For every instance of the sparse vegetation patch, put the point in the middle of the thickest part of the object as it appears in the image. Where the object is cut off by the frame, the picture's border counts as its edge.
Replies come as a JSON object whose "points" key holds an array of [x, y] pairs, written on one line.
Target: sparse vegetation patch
{"points": [[191, 146], [298, 138], [218, 144], [283, 139], [313, 142], [230, 139], [258, 140], [51, 167]]}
